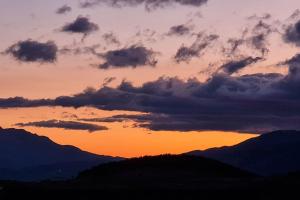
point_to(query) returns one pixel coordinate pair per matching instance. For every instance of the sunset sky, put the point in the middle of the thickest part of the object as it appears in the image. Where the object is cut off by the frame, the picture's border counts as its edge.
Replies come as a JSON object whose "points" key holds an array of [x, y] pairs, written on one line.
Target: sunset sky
{"points": [[149, 77]]}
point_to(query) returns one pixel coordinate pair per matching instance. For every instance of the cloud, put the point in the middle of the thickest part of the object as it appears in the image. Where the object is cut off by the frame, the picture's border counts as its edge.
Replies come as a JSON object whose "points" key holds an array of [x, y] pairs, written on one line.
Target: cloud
{"points": [[63, 10], [180, 30], [108, 80], [258, 40], [185, 54], [255, 38], [86, 50], [245, 103], [120, 118], [33, 51], [234, 44], [150, 5], [295, 15], [146, 35], [265, 16], [235, 66], [293, 78], [111, 39], [293, 61], [69, 125], [133, 56], [23, 102], [81, 25], [292, 34]]}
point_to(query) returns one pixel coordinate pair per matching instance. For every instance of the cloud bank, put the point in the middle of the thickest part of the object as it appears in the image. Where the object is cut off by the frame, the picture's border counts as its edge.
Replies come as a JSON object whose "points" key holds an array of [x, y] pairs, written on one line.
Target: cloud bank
{"points": [[247, 103]]}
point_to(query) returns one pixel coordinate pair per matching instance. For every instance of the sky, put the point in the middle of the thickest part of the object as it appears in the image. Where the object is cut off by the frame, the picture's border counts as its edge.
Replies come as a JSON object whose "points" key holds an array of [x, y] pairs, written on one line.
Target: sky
{"points": [[135, 78]]}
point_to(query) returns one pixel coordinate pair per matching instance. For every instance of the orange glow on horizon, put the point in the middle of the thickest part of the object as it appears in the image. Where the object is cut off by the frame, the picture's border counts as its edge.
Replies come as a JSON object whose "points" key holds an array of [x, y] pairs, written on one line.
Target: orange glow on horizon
{"points": [[121, 139]]}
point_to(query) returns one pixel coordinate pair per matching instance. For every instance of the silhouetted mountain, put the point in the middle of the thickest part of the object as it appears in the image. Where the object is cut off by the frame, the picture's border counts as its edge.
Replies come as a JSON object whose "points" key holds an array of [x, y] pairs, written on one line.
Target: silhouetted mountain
{"points": [[269, 154], [164, 171], [26, 156]]}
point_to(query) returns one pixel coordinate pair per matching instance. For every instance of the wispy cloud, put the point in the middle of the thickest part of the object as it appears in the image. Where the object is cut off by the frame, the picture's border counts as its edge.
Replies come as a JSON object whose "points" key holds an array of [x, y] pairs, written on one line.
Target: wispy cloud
{"points": [[69, 125], [150, 5]]}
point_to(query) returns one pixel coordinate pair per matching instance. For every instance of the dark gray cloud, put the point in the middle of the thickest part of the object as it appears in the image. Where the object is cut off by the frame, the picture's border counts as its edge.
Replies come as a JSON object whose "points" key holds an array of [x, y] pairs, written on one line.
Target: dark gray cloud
{"points": [[293, 82], [180, 30], [235, 66], [155, 122], [133, 56], [246, 103], [23, 102], [292, 34], [69, 125], [64, 9], [150, 5], [33, 51], [81, 25], [185, 54]]}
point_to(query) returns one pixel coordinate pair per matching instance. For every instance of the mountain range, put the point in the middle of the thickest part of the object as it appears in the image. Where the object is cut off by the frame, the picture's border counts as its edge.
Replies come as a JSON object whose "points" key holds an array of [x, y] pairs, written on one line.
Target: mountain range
{"points": [[244, 171], [26, 156], [274, 153]]}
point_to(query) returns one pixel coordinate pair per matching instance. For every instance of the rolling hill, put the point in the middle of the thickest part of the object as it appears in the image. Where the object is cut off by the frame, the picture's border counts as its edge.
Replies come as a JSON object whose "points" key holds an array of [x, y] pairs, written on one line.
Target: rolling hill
{"points": [[165, 171], [159, 177]]}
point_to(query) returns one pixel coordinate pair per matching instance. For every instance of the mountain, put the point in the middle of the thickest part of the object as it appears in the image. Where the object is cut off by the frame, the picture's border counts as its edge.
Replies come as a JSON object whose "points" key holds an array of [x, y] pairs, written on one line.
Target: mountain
{"points": [[274, 153], [26, 156], [165, 171]]}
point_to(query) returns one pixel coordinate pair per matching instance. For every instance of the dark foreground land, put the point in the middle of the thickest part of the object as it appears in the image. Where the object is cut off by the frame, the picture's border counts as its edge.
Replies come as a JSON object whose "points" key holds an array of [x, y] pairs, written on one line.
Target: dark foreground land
{"points": [[160, 177]]}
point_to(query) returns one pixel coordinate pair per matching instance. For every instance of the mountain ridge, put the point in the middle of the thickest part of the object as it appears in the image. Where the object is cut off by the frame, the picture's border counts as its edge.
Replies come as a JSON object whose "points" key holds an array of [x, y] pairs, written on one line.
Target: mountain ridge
{"points": [[272, 153], [22, 151]]}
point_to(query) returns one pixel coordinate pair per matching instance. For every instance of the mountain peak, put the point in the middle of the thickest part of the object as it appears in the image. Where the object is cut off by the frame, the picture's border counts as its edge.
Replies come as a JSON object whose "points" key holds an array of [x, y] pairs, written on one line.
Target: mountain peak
{"points": [[14, 131], [269, 154], [22, 151]]}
